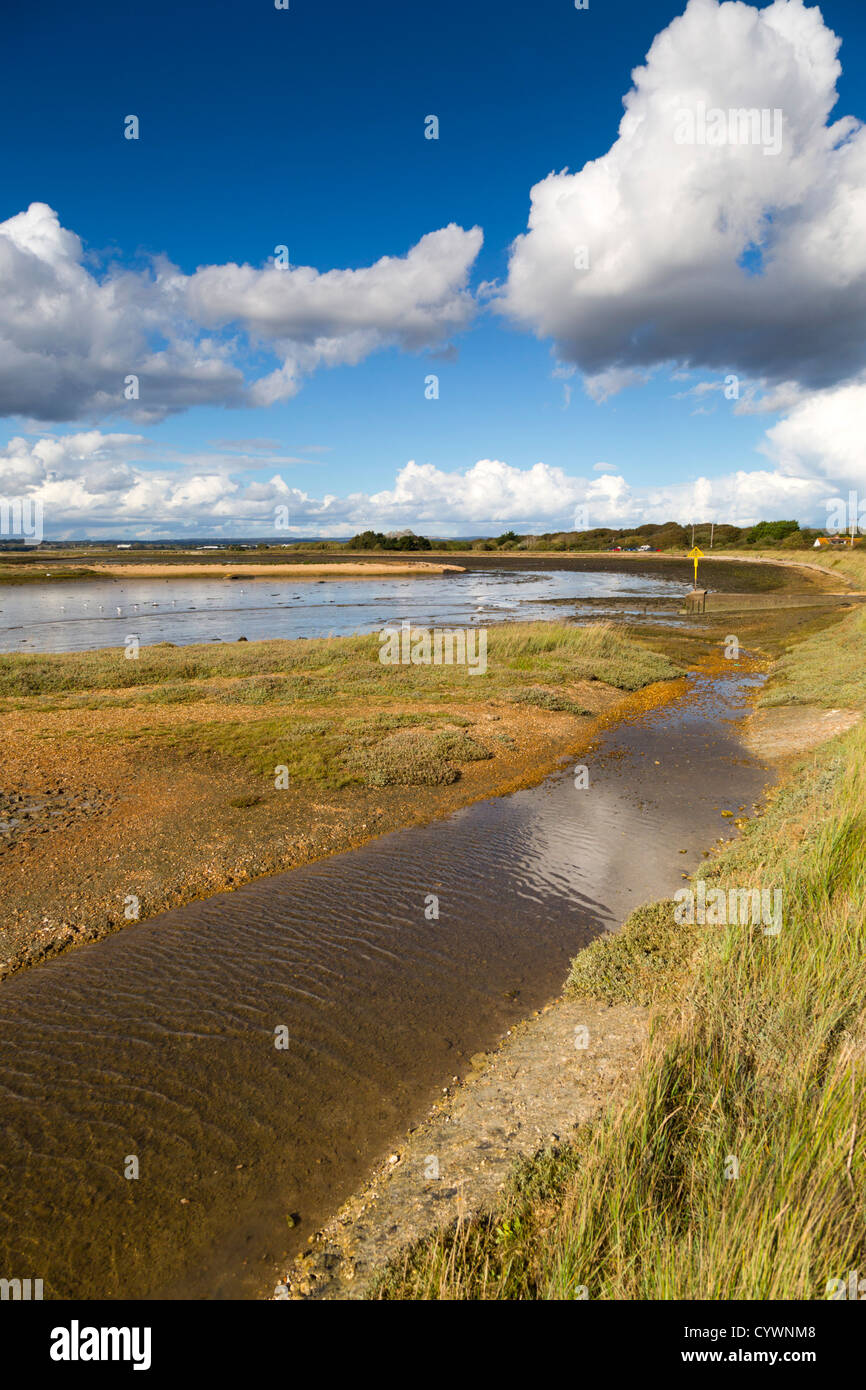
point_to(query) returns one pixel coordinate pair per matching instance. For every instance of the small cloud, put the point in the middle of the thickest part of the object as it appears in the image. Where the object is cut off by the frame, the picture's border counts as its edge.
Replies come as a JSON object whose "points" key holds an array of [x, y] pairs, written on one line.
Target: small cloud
{"points": [[449, 354], [245, 445], [601, 385], [488, 289]]}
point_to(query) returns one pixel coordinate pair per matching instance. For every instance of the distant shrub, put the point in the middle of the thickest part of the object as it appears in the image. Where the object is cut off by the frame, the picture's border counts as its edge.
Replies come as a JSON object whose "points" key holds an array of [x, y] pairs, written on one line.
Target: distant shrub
{"points": [[771, 531], [547, 699], [375, 540], [416, 758]]}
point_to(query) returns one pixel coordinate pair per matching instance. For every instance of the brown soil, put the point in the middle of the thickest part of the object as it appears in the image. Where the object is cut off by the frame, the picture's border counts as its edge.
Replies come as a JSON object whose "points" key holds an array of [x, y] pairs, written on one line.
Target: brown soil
{"points": [[789, 729]]}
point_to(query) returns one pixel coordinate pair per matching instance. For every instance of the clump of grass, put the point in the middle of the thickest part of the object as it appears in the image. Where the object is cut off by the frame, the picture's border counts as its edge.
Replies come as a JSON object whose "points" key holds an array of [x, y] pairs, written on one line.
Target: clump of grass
{"points": [[573, 651], [407, 759], [259, 690], [547, 699], [640, 963], [459, 747], [416, 757]]}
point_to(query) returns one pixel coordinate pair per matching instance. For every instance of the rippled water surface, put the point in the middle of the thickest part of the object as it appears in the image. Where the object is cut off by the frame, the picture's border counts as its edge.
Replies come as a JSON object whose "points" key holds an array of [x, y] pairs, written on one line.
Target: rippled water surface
{"points": [[159, 1042], [57, 616]]}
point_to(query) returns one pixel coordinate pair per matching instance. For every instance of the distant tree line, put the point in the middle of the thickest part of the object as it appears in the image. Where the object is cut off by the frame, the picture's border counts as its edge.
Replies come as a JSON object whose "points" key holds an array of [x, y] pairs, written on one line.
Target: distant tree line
{"points": [[669, 535], [375, 540]]}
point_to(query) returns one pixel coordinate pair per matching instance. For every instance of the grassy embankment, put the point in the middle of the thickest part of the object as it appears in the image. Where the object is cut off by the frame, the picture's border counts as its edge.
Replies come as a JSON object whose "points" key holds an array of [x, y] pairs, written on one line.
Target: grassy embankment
{"points": [[850, 564], [334, 713], [758, 1055], [37, 574]]}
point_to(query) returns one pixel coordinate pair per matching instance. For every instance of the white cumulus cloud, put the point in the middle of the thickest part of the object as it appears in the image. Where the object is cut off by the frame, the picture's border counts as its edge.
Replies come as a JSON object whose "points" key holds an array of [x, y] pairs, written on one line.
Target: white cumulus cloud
{"points": [[105, 484], [69, 338], [709, 255], [823, 437]]}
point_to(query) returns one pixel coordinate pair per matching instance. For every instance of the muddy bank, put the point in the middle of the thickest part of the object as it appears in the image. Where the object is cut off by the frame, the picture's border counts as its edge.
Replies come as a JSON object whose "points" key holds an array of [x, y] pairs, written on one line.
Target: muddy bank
{"points": [[704, 601], [356, 569], [732, 573], [784, 731], [37, 569]]}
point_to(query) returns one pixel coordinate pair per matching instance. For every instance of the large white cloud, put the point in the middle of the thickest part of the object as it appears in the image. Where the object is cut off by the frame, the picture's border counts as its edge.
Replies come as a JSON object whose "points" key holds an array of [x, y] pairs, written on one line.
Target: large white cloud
{"points": [[102, 484], [489, 491], [69, 338], [823, 437], [711, 255], [309, 318]]}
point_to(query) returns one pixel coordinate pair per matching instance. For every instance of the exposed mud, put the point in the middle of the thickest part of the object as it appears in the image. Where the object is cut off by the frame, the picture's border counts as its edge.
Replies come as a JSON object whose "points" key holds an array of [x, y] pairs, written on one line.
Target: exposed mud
{"points": [[786, 730]]}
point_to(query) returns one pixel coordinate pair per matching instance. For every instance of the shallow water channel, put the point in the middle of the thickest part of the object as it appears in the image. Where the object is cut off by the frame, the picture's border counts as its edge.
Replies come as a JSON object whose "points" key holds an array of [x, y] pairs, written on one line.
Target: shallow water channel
{"points": [[159, 1043]]}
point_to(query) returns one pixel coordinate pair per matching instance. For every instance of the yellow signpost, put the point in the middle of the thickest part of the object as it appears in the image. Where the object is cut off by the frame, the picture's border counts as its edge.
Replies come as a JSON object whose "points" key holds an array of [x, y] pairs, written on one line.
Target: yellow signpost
{"points": [[696, 555]]}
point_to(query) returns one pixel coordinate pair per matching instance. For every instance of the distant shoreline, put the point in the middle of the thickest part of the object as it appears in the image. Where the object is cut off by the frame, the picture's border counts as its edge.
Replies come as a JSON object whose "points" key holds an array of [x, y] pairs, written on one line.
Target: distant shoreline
{"points": [[359, 570], [730, 571]]}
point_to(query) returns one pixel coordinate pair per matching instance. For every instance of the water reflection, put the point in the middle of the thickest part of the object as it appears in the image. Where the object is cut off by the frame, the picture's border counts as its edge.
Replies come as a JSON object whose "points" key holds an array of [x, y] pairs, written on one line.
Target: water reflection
{"points": [[60, 616]]}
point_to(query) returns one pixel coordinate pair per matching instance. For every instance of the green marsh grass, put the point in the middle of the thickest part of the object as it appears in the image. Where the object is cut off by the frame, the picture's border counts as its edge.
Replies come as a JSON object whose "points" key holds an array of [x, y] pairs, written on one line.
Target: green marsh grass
{"points": [[330, 711], [518, 654]]}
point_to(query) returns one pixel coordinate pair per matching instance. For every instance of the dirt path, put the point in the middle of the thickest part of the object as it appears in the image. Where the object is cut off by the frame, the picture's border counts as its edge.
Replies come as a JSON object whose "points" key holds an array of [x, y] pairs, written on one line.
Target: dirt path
{"points": [[550, 1074], [785, 730]]}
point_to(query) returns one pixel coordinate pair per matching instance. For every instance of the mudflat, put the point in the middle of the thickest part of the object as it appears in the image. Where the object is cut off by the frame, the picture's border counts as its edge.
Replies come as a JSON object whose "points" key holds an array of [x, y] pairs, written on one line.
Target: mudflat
{"points": [[241, 570]]}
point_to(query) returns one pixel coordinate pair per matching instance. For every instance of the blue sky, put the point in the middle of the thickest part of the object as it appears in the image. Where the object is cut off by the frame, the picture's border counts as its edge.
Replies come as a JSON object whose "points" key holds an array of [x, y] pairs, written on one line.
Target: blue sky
{"points": [[305, 128]]}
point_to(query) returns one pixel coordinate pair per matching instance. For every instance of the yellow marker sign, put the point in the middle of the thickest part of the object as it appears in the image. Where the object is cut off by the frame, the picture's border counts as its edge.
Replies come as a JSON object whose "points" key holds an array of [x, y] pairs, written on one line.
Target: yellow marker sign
{"points": [[696, 555]]}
